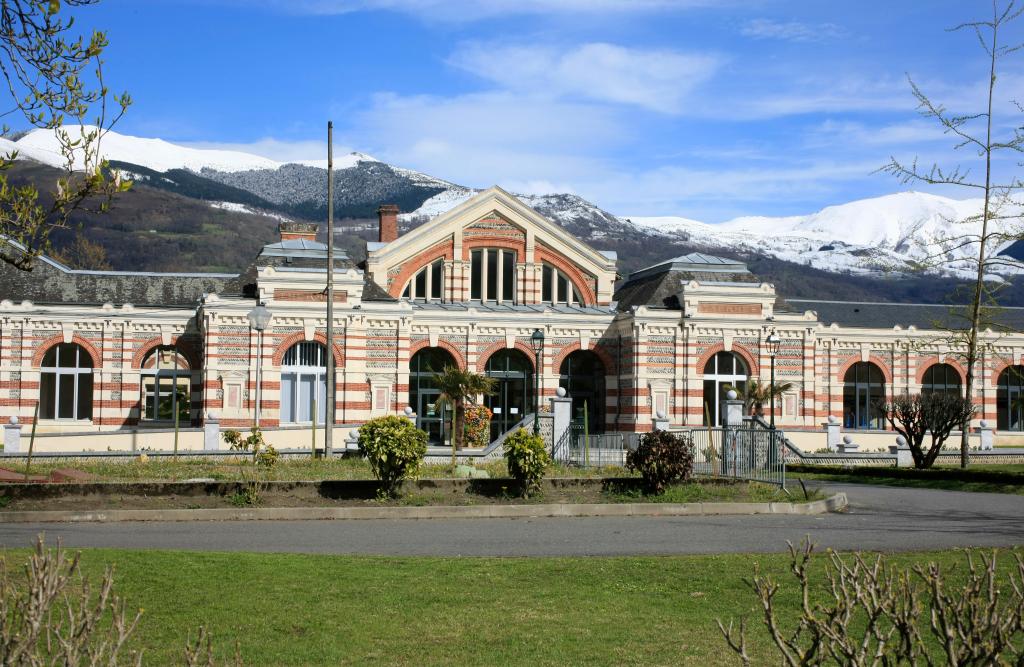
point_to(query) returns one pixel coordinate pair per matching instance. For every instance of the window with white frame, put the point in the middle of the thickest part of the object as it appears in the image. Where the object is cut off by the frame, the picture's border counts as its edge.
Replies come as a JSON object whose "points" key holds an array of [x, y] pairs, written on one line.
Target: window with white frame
{"points": [[492, 275], [427, 284], [304, 383], [65, 383], [556, 287]]}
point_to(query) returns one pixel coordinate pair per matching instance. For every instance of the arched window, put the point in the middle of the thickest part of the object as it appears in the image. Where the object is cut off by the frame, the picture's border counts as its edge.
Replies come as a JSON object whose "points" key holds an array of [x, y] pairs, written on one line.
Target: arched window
{"points": [[556, 287], [512, 399], [1010, 399], [723, 370], [427, 284], [582, 376], [492, 275], [423, 391], [65, 383], [166, 385], [304, 383], [941, 379], [864, 396]]}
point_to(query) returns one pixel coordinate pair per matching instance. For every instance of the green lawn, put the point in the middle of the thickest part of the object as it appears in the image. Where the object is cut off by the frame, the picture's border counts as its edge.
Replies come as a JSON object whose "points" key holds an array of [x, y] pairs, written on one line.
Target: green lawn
{"points": [[998, 478], [132, 469], [302, 610]]}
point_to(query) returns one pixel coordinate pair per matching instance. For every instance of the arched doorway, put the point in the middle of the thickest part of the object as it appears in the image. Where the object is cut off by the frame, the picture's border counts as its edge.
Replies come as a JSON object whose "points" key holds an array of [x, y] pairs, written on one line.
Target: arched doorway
{"points": [[423, 392], [864, 396], [582, 376], [304, 383], [513, 395], [941, 379], [722, 371], [1010, 399], [166, 385]]}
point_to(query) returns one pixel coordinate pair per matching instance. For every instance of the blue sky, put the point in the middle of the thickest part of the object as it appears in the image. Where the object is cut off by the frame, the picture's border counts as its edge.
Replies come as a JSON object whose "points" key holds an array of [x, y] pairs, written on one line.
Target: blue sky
{"points": [[700, 108]]}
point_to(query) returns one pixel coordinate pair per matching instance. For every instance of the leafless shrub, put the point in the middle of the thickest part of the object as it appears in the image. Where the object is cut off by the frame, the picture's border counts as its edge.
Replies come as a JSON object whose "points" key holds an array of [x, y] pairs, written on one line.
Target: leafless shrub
{"points": [[877, 614]]}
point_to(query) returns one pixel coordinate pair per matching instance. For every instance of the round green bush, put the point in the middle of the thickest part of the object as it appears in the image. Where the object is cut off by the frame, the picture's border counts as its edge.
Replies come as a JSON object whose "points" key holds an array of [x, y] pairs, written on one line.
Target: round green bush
{"points": [[527, 459], [662, 458], [395, 448]]}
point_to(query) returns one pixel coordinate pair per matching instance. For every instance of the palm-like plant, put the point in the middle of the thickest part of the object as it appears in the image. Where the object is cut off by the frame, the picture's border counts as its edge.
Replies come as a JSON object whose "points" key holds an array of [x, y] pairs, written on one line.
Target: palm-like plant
{"points": [[755, 394], [459, 387]]}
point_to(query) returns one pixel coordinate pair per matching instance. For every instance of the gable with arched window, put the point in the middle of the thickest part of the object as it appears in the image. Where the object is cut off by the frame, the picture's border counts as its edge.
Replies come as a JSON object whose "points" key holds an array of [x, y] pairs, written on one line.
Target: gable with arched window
{"points": [[66, 383]]}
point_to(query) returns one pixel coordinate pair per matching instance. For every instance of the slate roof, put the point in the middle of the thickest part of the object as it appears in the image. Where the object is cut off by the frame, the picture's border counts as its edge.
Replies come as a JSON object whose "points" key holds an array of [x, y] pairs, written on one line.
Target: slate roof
{"points": [[659, 285], [50, 282], [881, 315]]}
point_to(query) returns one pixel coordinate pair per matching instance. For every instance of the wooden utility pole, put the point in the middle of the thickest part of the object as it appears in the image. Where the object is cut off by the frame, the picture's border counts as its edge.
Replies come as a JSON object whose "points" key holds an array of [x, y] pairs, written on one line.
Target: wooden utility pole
{"points": [[331, 384]]}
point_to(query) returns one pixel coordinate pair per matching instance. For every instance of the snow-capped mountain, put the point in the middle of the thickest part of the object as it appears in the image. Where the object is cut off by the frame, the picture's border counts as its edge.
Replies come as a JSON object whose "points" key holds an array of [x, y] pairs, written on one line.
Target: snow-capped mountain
{"points": [[157, 154], [895, 233], [899, 232]]}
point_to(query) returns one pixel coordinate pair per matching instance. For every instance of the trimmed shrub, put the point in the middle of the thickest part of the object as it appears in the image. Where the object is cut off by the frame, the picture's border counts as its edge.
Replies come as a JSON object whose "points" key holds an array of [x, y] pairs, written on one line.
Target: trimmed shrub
{"points": [[394, 448], [478, 426], [662, 458], [527, 459]]}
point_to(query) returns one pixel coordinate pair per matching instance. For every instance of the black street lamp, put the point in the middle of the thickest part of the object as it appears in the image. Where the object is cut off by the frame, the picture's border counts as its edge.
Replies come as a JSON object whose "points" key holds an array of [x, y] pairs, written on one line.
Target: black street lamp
{"points": [[774, 343], [537, 343], [259, 319]]}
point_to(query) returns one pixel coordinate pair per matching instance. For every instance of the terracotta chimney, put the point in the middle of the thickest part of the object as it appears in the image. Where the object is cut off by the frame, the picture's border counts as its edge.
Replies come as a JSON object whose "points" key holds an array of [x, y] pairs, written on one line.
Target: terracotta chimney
{"points": [[298, 230], [388, 214]]}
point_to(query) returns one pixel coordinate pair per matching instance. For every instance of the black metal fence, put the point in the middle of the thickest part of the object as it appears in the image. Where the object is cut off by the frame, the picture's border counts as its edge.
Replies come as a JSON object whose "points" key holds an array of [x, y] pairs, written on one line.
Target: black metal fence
{"points": [[752, 454]]}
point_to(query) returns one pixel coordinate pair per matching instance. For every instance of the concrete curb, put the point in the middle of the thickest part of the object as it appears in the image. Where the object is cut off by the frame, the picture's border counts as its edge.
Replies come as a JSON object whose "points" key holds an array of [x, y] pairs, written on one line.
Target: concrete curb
{"points": [[834, 503]]}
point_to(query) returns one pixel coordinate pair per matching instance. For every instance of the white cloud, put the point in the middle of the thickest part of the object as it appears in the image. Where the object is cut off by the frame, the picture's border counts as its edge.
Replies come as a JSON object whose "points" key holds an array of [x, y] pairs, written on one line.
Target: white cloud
{"points": [[275, 149], [793, 31], [656, 79]]}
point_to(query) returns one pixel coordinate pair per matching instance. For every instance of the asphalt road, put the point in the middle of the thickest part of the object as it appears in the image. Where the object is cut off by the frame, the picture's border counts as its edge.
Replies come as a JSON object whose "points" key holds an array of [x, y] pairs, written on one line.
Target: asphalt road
{"points": [[879, 518]]}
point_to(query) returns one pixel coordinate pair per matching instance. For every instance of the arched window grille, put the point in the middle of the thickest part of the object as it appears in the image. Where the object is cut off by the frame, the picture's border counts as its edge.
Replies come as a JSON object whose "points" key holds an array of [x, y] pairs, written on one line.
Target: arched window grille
{"points": [[557, 288], [427, 284], [1010, 399], [722, 371], [492, 275]]}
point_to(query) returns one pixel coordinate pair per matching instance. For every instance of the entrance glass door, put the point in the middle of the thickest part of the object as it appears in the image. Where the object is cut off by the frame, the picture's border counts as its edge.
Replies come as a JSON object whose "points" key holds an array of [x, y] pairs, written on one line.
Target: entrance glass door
{"points": [[433, 418], [512, 398]]}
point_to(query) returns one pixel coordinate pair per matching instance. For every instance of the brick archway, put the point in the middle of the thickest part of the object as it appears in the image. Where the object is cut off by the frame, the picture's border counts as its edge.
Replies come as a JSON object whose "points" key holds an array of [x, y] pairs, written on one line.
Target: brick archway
{"points": [[494, 348], [998, 371], [602, 354], [928, 362], [44, 347], [412, 265], [748, 358], [300, 337], [460, 359], [874, 359], [153, 343], [544, 255]]}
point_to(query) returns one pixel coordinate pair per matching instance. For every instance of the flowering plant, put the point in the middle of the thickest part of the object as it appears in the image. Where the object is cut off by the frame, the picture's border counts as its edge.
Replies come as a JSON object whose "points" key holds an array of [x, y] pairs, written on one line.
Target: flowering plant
{"points": [[478, 426]]}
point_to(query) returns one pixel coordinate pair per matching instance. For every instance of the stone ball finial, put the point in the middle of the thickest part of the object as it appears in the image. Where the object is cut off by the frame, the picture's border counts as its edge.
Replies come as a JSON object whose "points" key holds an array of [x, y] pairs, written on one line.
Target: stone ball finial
{"points": [[660, 414], [731, 395], [832, 419], [901, 441], [847, 440], [983, 423], [353, 434], [561, 392], [14, 420], [408, 411]]}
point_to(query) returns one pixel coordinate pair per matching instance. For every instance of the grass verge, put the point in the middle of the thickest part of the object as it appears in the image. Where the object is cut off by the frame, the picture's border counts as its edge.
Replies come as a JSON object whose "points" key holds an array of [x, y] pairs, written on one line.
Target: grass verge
{"points": [[980, 479], [289, 609]]}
